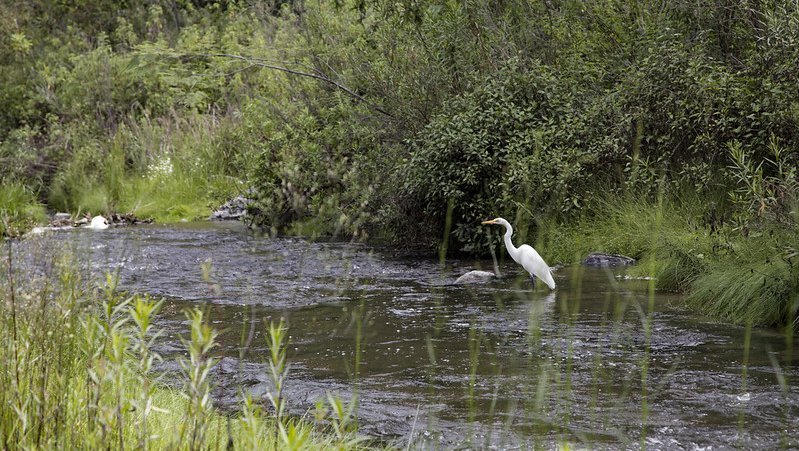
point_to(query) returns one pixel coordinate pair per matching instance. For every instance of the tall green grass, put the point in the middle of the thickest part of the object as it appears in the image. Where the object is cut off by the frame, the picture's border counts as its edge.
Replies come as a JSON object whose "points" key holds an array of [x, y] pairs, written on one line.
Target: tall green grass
{"points": [[77, 372], [727, 274], [170, 170], [666, 236], [19, 208], [757, 282]]}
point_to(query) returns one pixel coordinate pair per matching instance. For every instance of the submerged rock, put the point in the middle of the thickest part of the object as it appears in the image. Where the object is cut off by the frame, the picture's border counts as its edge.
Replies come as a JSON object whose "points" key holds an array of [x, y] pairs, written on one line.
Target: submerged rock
{"points": [[233, 209], [600, 259], [473, 277]]}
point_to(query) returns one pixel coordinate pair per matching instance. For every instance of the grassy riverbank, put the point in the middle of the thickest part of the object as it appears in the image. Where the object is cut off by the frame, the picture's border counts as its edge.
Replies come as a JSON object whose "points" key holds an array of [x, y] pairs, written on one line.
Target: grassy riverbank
{"points": [[735, 277], [78, 371]]}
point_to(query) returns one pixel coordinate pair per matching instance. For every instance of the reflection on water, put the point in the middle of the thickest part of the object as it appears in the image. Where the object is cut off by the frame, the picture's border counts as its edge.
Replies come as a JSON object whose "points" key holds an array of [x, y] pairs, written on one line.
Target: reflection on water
{"points": [[499, 365]]}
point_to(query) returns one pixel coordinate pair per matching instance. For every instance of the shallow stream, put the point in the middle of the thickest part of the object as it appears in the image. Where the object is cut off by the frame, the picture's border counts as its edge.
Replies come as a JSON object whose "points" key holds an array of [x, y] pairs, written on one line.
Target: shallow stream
{"points": [[499, 365]]}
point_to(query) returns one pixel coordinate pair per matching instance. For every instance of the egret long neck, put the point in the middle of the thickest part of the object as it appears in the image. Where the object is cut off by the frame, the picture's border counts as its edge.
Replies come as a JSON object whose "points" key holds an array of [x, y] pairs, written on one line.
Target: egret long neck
{"points": [[512, 250]]}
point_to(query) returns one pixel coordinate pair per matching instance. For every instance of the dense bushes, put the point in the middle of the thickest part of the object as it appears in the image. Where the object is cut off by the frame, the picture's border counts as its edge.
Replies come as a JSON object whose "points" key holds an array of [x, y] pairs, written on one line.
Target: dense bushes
{"points": [[520, 136], [319, 172], [127, 114], [489, 107]]}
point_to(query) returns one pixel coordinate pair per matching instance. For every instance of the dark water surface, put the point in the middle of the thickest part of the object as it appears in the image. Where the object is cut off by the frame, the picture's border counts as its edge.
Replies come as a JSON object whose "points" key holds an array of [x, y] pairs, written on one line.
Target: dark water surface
{"points": [[500, 365]]}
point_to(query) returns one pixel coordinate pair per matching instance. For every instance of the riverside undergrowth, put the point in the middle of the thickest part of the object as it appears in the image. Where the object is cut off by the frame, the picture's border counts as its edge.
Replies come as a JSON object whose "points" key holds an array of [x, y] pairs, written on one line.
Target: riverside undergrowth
{"points": [[19, 208], [77, 372], [727, 274]]}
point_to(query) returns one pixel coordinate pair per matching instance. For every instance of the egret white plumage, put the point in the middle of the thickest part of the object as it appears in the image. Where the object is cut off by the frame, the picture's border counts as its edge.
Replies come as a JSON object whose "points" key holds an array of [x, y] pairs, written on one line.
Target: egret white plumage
{"points": [[98, 223], [526, 256]]}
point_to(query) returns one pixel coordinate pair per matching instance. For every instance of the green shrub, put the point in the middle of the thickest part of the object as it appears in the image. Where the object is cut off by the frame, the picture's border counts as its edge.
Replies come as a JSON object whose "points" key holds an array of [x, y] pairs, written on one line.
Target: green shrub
{"points": [[320, 172], [763, 190], [521, 136]]}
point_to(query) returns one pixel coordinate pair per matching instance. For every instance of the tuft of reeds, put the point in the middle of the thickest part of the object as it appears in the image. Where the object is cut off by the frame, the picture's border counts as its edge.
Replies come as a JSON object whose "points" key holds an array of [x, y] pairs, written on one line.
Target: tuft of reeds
{"points": [[759, 285], [726, 274], [663, 234]]}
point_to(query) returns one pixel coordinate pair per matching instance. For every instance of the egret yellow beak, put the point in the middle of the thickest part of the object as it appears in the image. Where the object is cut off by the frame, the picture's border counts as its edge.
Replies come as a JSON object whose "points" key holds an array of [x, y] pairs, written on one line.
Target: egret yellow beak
{"points": [[492, 221]]}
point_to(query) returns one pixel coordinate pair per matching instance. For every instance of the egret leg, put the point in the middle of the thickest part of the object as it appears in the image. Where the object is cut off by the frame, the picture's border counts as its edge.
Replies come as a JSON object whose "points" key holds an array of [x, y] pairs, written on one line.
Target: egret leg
{"points": [[532, 277]]}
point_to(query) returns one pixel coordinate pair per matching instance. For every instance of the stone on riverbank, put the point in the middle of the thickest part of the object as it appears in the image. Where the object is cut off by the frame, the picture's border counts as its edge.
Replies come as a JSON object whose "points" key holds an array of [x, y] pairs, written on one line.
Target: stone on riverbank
{"points": [[231, 210]]}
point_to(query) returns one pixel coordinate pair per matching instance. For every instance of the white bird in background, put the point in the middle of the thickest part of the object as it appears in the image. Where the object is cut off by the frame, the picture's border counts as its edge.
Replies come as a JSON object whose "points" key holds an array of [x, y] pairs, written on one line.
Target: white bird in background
{"points": [[526, 256], [98, 223]]}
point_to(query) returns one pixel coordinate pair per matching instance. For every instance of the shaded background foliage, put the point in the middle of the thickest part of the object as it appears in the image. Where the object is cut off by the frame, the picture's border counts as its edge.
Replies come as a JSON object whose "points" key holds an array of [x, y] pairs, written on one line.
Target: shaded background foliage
{"points": [[512, 108]]}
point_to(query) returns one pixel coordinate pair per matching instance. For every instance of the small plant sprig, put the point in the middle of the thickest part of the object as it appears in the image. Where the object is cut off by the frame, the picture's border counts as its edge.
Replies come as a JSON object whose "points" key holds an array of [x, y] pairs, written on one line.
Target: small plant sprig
{"points": [[106, 347], [342, 417], [197, 371], [142, 312], [294, 436], [277, 340]]}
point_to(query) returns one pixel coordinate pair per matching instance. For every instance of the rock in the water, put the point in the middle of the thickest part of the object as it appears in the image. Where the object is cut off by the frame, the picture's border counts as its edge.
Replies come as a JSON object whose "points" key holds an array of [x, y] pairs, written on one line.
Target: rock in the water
{"points": [[473, 277], [600, 259], [231, 210]]}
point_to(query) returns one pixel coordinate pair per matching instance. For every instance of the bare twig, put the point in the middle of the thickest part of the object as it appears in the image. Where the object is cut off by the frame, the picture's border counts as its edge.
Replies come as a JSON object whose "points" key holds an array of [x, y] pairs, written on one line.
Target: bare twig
{"points": [[257, 62]]}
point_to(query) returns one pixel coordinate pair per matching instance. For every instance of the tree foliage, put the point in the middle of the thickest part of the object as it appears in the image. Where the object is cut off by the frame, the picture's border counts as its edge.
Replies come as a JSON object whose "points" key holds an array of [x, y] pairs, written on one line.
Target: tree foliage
{"points": [[392, 110]]}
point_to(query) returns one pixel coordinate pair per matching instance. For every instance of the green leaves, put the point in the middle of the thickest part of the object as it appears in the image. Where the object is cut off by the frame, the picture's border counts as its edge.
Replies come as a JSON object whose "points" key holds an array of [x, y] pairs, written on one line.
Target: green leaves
{"points": [[764, 189], [511, 139]]}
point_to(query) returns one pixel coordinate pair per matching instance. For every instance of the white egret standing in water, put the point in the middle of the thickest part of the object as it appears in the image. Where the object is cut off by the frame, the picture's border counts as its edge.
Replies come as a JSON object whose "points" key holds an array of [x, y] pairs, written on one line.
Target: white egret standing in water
{"points": [[526, 256]]}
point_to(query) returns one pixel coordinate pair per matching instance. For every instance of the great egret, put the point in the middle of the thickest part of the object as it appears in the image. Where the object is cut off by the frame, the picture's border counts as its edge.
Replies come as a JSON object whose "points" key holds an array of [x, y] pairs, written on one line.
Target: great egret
{"points": [[526, 256], [98, 223]]}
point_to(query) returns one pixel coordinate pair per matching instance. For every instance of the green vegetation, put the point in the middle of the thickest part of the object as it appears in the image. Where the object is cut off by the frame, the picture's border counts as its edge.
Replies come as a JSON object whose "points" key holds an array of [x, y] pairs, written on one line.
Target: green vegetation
{"points": [[667, 132], [78, 372], [19, 208]]}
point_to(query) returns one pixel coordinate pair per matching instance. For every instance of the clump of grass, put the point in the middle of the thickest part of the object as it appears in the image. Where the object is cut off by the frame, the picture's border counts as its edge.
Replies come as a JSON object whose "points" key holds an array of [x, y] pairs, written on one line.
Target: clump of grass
{"points": [[759, 283], [663, 235], [726, 274], [19, 208], [182, 168], [170, 170]]}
